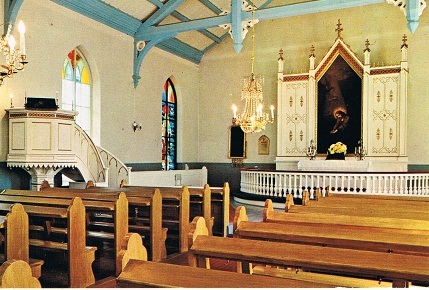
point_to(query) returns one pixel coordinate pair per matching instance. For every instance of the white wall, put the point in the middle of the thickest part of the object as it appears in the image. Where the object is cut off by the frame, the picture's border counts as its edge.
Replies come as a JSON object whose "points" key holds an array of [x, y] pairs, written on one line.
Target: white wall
{"points": [[53, 31], [204, 90]]}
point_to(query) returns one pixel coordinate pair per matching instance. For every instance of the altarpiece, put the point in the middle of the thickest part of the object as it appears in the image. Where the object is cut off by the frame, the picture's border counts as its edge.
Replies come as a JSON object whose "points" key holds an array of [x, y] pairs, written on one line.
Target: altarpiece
{"points": [[343, 99]]}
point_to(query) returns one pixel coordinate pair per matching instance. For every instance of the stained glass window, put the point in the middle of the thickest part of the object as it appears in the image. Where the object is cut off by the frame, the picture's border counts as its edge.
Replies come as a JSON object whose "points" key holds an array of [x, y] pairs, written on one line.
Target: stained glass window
{"points": [[169, 121], [76, 88]]}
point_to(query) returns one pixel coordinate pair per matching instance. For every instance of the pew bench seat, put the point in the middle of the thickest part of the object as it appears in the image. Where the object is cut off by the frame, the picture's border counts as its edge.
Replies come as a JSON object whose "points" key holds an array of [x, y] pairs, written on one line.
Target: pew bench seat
{"points": [[100, 235], [57, 246], [399, 268], [140, 274], [339, 281]]}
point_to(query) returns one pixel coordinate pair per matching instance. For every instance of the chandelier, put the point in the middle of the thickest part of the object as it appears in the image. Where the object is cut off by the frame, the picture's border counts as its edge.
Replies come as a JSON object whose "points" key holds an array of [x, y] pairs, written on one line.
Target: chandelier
{"points": [[253, 119], [15, 58]]}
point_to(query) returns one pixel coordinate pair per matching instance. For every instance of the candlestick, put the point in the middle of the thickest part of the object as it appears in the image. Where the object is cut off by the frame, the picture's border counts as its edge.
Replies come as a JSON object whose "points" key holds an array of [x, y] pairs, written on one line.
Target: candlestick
{"points": [[11, 98]]}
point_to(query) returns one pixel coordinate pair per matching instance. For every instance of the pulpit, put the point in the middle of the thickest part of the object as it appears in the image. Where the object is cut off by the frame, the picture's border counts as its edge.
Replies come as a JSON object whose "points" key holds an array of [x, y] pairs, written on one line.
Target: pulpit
{"points": [[41, 142]]}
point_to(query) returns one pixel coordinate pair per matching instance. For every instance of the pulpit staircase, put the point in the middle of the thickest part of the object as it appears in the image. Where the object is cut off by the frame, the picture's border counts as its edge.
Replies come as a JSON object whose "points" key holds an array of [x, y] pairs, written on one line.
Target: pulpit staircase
{"points": [[46, 142], [95, 163]]}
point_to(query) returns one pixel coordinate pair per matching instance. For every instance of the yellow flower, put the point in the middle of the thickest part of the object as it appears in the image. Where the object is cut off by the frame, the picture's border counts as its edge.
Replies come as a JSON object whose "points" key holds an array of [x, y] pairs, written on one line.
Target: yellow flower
{"points": [[338, 148]]}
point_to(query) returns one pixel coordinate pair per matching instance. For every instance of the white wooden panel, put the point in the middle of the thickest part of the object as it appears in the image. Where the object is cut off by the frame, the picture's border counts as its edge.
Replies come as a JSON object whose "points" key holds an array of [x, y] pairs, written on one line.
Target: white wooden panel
{"points": [[65, 140], [18, 136], [41, 136]]}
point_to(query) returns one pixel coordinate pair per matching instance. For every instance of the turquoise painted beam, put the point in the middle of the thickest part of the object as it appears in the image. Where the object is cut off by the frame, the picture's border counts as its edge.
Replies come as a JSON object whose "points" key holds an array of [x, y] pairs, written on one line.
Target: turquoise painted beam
{"points": [[103, 13], [162, 12], [183, 18], [11, 8], [236, 24], [261, 14], [413, 14], [182, 49]]}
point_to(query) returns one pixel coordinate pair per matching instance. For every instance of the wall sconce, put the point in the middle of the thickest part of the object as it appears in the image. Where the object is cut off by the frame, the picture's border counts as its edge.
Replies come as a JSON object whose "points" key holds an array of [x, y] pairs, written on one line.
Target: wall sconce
{"points": [[136, 126]]}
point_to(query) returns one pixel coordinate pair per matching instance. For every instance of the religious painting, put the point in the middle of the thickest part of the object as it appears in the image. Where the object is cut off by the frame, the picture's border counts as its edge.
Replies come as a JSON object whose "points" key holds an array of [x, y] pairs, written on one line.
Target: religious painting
{"points": [[339, 107]]}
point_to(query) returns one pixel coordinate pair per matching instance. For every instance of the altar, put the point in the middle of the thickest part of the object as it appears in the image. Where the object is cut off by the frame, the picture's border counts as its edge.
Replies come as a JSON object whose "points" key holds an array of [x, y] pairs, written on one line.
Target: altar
{"points": [[334, 165], [343, 98]]}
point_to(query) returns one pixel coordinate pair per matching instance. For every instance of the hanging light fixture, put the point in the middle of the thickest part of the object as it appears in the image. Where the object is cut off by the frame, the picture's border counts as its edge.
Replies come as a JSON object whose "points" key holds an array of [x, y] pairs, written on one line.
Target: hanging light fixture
{"points": [[15, 58], [253, 119]]}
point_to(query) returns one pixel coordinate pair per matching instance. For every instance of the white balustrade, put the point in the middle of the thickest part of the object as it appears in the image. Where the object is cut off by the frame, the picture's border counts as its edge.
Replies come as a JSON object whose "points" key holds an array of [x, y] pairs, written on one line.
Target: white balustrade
{"points": [[280, 183]]}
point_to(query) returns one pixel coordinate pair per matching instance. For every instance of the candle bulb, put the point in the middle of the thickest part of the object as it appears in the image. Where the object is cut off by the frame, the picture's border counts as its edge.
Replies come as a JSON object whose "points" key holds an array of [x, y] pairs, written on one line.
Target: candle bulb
{"points": [[21, 29], [272, 111], [11, 43], [234, 110]]}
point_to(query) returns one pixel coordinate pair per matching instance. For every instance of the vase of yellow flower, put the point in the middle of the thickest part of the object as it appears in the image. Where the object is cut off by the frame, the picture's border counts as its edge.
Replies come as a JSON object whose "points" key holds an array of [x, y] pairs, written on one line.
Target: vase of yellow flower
{"points": [[337, 151]]}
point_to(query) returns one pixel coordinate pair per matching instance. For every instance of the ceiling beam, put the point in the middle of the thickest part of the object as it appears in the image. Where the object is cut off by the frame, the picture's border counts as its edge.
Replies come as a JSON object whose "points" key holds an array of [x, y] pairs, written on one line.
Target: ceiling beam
{"points": [[103, 13], [260, 14]]}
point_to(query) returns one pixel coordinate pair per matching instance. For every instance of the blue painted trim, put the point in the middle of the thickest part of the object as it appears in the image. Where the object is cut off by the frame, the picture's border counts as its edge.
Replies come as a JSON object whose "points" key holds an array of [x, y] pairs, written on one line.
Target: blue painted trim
{"points": [[103, 13]]}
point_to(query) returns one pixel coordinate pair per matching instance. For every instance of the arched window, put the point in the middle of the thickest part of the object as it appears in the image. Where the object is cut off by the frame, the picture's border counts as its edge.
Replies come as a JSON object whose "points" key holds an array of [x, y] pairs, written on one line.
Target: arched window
{"points": [[76, 88], [169, 121]]}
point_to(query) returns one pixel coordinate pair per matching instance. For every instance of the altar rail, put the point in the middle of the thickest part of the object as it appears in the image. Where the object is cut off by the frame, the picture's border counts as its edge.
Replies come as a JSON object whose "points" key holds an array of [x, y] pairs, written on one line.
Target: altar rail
{"points": [[279, 183]]}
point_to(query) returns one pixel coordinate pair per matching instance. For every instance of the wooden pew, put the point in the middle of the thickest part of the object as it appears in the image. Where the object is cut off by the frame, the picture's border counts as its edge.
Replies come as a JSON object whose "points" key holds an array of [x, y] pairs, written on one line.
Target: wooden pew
{"points": [[140, 273], [218, 210], [363, 238], [385, 223], [143, 274], [201, 205], [117, 206], [220, 201], [17, 274], [175, 211], [16, 226], [399, 268], [80, 256]]}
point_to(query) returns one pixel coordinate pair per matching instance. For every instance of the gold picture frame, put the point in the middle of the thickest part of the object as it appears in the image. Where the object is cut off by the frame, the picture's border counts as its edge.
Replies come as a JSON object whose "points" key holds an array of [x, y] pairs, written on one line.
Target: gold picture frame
{"points": [[263, 145]]}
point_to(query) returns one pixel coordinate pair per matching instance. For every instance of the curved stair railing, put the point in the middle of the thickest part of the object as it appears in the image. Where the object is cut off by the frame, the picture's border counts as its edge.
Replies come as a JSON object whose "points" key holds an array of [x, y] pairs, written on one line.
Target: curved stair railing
{"points": [[118, 171], [89, 161]]}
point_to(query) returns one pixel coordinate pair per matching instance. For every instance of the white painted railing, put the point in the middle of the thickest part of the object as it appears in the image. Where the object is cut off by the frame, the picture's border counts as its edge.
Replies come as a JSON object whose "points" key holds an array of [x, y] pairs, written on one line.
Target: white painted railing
{"points": [[117, 170], [88, 159], [279, 183]]}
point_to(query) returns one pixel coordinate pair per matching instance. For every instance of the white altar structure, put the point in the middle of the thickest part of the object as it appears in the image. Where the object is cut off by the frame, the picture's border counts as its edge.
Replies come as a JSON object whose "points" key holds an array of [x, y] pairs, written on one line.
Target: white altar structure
{"points": [[377, 113], [341, 99]]}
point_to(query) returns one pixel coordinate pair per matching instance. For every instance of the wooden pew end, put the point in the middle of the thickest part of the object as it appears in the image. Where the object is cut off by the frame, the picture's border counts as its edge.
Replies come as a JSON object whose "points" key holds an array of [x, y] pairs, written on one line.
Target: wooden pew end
{"points": [[268, 209], [289, 201], [17, 274], [240, 216], [131, 248], [197, 227]]}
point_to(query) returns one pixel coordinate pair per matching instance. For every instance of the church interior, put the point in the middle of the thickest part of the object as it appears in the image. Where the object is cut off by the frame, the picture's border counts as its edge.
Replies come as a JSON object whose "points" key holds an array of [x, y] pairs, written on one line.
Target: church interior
{"points": [[214, 143]]}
